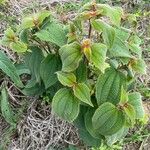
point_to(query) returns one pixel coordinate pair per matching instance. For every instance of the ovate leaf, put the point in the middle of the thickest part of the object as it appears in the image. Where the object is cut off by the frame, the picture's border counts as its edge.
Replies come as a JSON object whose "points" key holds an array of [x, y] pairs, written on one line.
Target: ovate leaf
{"points": [[114, 13], [107, 119], [123, 33], [22, 69], [98, 56], [86, 48], [42, 15], [9, 33], [117, 136], [53, 32], [18, 47], [33, 61], [8, 37], [136, 101], [134, 45], [24, 35], [71, 56], [81, 72], [124, 96], [6, 110], [65, 105], [7, 66], [67, 79], [48, 68], [120, 48], [139, 66], [130, 112], [34, 20], [87, 138], [108, 86], [33, 88], [72, 33], [108, 32], [27, 22], [135, 49], [82, 92], [89, 125]]}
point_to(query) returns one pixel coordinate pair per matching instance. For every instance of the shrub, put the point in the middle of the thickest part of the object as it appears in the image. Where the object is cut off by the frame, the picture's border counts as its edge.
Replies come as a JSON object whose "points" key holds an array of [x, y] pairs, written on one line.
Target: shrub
{"points": [[85, 69]]}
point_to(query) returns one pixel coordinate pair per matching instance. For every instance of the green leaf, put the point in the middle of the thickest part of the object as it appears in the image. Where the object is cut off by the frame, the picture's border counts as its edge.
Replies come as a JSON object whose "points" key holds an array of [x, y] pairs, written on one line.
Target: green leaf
{"points": [[24, 36], [139, 66], [33, 61], [72, 33], [135, 39], [44, 36], [9, 33], [114, 63], [122, 33], [131, 18], [135, 49], [8, 37], [120, 48], [18, 47], [89, 125], [117, 136], [86, 48], [98, 56], [134, 45], [52, 90], [82, 92], [48, 68], [108, 86], [53, 32], [7, 67], [65, 105], [5, 41], [34, 20], [3, 2], [130, 112], [71, 56], [6, 110], [27, 22], [42, 15], [81, 72], [33, 88], [87, 138], [114, 13], [107, 119], [124, 96], [130, 74], [108, 32], [136, 101], [22, 69], [67, 79]]}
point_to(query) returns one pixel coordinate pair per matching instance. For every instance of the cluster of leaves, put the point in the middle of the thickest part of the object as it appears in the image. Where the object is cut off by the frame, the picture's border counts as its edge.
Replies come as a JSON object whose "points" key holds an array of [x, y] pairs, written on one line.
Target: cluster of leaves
{"points": [[86, 68]]}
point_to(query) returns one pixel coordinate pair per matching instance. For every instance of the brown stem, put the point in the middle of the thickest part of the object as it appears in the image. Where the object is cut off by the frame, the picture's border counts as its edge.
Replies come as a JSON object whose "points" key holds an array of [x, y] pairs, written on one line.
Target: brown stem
{"points": [[90, 29], [41, 45]]}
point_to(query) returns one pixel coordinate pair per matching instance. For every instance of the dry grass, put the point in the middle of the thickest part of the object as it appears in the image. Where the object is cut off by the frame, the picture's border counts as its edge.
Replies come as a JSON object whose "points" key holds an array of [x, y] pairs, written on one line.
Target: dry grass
{"points": [[41, 130]]}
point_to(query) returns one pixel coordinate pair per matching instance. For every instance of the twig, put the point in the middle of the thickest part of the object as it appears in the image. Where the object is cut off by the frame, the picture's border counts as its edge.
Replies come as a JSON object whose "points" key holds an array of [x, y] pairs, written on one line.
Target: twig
{"points": [[90, 29]]}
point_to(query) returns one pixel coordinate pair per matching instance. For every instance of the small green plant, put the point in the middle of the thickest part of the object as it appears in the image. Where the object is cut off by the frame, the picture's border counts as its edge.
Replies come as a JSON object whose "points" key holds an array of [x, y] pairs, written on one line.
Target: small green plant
{"points": [[2, 2], [84, 69]]}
